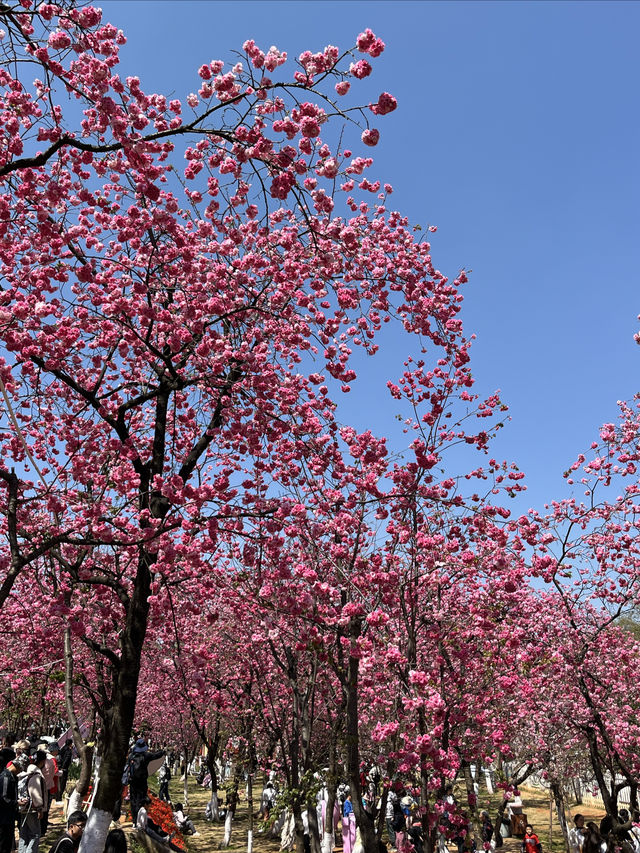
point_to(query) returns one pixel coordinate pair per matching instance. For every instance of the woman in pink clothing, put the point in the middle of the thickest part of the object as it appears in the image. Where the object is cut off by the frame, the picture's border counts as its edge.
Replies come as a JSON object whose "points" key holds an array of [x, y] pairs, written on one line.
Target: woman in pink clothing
{"points": [[348, 826]]}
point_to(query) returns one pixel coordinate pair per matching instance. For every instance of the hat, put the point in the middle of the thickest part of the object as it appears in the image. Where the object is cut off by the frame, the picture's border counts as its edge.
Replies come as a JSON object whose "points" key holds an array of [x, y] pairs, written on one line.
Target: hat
{"points": [[23, 744], [140, 745]]}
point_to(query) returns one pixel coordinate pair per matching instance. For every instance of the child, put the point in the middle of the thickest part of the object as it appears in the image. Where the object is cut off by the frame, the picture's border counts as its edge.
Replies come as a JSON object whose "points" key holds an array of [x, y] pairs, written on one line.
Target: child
{"points": [[531, 842]]}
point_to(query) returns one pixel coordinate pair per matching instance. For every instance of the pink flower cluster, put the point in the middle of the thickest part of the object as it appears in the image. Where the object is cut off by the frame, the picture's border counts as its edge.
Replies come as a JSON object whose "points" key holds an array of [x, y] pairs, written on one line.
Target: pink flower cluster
{"points": [[386, 104], [371, 136], [360, 69], [317, 63], [271, 60], [368, 43]]}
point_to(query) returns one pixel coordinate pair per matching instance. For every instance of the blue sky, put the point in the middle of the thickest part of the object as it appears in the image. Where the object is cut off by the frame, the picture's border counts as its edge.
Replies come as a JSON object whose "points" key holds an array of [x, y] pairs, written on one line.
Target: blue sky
{"points": [[517, 134]]}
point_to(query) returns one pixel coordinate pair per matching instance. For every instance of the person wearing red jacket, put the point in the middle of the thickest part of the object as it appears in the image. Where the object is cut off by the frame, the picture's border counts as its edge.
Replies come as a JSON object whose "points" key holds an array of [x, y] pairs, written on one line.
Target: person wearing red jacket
{"points": [[531, 842]]}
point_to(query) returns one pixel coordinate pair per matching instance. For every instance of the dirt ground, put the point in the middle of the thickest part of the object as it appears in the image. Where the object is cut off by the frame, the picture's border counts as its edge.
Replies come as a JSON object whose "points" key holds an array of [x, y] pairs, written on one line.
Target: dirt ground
{"points": [[535, 803]]}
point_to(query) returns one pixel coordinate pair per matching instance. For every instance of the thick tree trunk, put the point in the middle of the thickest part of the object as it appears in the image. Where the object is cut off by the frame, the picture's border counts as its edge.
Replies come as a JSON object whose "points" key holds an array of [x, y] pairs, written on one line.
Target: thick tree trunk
{"points": [[497, 827], [314, 833], [328, 840], [118, 719], [364, 821], [609, 797], [472, 800], [214, 805], [228, 822], [232, 800], [298, 825]]}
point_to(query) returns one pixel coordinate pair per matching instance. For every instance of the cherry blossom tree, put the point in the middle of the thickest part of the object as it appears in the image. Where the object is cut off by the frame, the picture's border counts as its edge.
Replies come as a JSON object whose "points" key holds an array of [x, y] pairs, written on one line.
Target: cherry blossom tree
{"points": [[171, 333], [186, 283]]}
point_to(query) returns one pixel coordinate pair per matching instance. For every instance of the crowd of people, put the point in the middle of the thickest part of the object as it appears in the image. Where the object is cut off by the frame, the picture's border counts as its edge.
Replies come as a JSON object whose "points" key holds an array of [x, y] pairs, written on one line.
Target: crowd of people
{"points": [[31, 779], [33, 776], [590, 837], [404, 825]]}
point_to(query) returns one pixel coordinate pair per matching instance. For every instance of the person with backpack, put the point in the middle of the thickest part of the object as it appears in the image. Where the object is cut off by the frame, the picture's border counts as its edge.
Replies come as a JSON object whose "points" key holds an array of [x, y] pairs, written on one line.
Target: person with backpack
{"points": [[8, 799], [69, 841], [32, 801], [138, 767]]}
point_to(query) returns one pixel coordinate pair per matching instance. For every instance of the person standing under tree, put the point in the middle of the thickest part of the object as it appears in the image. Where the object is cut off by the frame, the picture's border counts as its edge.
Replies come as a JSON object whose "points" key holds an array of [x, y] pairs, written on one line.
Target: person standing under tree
{"points": [[164, 777], [32, 808], [141, 756], [577, 834], [64, 763], [531, 842]]}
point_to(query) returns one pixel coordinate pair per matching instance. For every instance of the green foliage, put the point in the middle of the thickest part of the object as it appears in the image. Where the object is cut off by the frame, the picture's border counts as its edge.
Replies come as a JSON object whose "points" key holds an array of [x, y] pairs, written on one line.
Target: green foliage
{"points": [[305, 794]]}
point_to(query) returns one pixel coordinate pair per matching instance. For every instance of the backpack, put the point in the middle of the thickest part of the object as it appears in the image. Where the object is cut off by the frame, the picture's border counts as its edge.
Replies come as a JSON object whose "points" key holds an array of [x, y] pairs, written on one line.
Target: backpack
{"points": [[138, 768], [23, 792]]}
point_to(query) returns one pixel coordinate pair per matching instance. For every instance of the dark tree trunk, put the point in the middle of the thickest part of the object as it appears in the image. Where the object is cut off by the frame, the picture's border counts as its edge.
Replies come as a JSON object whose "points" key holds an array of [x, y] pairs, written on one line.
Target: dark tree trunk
{"points": [[364, 821], [118, 717], [558, 799]]}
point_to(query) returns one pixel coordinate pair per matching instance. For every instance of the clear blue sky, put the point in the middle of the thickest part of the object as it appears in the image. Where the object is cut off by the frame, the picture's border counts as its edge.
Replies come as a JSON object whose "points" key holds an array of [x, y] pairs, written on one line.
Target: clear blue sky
{"points": [[517, 134]]}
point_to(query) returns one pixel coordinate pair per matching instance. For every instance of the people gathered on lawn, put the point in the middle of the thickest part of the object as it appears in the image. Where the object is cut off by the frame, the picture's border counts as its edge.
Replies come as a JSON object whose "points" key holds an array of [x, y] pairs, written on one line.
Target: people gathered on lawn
{"points": [[32, 777]]}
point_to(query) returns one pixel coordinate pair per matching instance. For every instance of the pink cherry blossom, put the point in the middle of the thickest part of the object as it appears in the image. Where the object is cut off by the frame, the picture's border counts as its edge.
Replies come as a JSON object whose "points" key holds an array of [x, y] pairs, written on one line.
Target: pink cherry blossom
{"points": [[386, 104], [360, 69], [371, 136]]}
